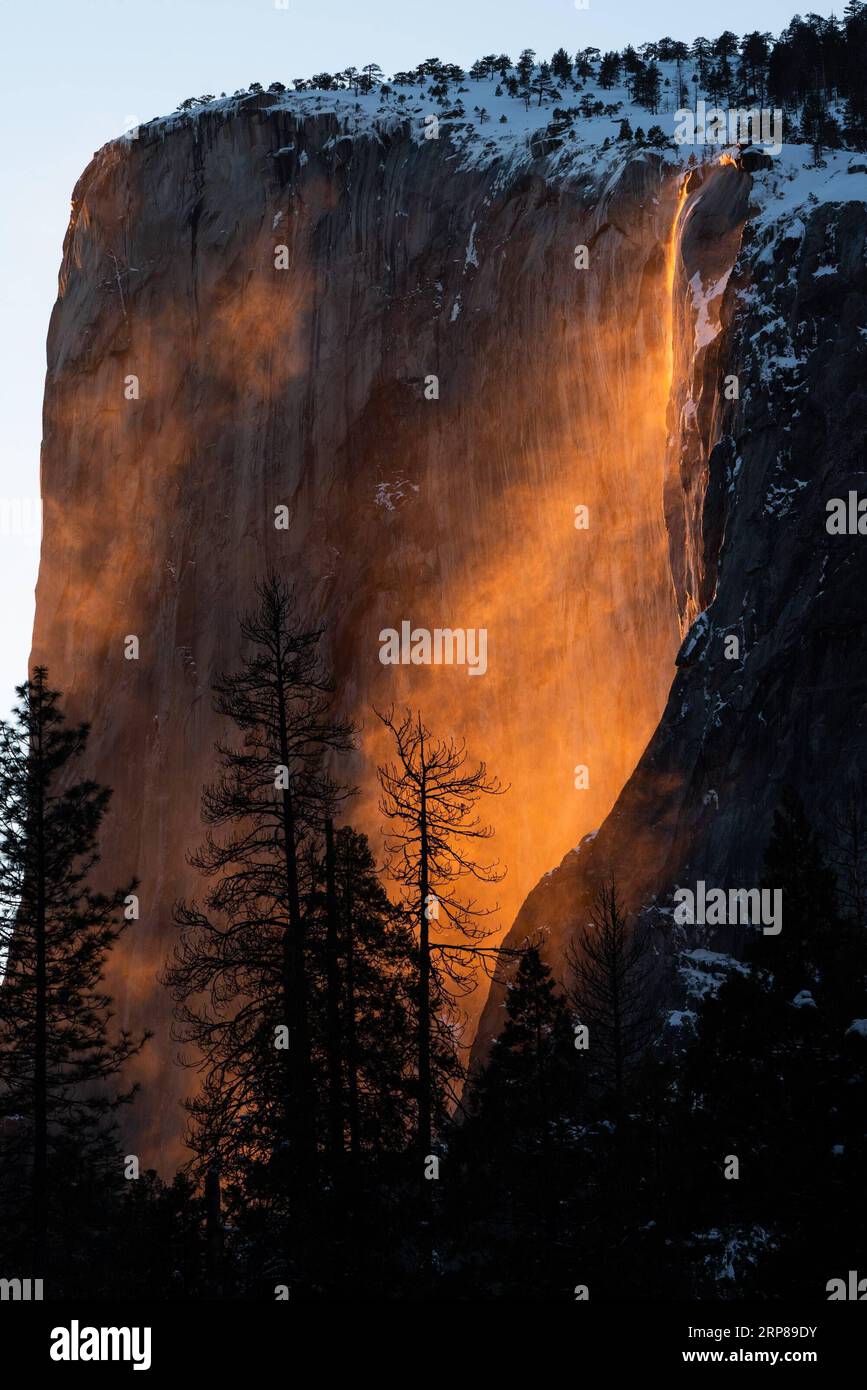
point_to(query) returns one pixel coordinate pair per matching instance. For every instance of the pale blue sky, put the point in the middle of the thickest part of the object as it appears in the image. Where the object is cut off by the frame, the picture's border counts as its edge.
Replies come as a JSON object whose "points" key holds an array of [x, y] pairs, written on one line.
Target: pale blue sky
{"points": [[74, 72]]}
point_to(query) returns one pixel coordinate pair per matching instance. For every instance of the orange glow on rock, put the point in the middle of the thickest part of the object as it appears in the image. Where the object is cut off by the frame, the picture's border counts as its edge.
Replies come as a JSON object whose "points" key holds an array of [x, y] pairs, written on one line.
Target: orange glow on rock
{"points": [[261, 387]]}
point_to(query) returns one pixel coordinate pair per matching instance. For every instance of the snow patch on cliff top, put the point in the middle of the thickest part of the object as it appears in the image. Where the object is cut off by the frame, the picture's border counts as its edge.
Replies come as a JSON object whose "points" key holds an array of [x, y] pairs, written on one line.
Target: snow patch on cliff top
{"points": [[794, 185], [574, 133]]}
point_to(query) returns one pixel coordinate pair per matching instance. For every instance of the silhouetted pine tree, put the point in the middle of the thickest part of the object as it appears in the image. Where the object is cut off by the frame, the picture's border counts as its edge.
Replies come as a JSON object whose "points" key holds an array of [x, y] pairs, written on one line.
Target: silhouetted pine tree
{"points": [[378, 962], [530, 1079], [819, 128], [561, 66], [512, 1150], [241, 972], [609, 70], [848, 854], [350, 1229], [368, 1207], [795, 864], [159, 1240], [610, 992], [279, 865], [777, 1078], [58, 1058]]}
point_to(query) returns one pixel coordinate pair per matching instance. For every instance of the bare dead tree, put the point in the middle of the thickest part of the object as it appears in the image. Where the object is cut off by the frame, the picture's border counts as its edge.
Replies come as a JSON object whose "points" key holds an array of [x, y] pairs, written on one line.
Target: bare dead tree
{"points": [[428, 797], [847, 845]]}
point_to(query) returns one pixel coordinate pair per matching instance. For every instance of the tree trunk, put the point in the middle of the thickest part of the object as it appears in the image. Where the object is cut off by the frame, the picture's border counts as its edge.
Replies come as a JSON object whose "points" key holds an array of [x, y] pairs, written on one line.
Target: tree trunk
{"points": [[40, 1065], [299, 1111], [351, 1037], [617, 1029], [214, 1233], [424, 1067], [335, 1107]]}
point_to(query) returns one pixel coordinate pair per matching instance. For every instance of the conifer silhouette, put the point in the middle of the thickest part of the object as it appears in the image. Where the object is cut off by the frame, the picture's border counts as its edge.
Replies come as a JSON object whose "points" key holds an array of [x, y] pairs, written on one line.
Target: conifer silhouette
{"points": [[59, 1057]]}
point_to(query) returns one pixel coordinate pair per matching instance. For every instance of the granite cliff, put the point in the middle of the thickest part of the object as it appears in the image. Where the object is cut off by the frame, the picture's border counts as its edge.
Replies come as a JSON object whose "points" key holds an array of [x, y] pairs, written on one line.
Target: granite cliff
{"points": [[253, 307], [275, 314]]}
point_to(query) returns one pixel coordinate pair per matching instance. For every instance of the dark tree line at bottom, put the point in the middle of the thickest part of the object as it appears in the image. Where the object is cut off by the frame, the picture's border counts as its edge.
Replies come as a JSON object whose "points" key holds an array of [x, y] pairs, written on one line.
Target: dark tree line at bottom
{"points": [[337, 1148]]}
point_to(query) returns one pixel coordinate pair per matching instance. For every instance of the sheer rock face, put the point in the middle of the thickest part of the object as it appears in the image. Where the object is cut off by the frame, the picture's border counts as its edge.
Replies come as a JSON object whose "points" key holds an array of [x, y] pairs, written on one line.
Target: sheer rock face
{"points": [[756, 558], [452, 503], [193, 388]]}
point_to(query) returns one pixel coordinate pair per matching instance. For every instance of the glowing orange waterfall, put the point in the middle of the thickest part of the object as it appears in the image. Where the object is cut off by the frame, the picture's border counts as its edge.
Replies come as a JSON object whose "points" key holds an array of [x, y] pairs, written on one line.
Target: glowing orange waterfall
{"points": [[670, 269]]}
